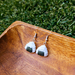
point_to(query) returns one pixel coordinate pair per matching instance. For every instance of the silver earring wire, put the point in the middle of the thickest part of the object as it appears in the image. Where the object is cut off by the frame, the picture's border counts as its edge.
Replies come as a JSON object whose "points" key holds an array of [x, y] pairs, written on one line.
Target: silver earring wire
{"points": [[47, 38], [34, 37]]}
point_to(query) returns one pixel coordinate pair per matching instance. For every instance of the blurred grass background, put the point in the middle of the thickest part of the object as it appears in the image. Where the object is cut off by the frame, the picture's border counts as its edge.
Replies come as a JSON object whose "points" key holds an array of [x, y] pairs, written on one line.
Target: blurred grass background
{"points": [[55, 15]]}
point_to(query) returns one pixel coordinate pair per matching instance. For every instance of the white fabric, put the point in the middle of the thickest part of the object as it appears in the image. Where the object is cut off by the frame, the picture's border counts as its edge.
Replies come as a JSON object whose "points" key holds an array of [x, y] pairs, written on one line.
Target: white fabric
{"points": [[31, 45], [43, 49]]}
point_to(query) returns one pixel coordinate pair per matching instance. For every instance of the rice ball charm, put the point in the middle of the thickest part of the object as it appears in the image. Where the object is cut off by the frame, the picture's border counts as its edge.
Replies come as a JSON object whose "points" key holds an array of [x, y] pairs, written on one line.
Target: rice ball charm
{"points": [[42, 50]]}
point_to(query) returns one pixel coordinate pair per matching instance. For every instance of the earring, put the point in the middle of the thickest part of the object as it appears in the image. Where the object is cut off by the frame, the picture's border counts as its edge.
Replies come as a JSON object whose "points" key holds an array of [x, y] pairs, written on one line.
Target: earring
{"points": [[31, 45], [42, 50]]}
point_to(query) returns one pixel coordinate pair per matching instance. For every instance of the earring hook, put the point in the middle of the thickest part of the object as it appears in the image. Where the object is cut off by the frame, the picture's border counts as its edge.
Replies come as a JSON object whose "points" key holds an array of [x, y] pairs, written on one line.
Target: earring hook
{"points": [[47, 38], [35, 36]]}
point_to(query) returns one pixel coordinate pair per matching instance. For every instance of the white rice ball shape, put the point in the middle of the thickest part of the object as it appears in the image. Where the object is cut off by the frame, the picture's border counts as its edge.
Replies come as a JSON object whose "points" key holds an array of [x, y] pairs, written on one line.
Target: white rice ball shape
{"points": [[42, 49], [31, 45]]}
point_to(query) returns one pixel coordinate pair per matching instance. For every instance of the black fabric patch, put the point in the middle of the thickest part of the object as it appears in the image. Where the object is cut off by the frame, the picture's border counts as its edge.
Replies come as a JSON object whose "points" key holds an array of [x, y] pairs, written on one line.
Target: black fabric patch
{"points": [[29, 49], [41, 53]]}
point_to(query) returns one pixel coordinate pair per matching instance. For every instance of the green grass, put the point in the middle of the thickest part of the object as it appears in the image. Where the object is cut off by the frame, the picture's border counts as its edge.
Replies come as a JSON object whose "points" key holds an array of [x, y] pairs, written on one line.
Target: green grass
{"points": [[55, 15]]}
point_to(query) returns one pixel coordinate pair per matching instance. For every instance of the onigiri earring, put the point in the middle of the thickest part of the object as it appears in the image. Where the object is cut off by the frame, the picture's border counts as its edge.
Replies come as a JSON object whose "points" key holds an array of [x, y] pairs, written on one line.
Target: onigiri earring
{"points": [[31, 45], [42, 50]]}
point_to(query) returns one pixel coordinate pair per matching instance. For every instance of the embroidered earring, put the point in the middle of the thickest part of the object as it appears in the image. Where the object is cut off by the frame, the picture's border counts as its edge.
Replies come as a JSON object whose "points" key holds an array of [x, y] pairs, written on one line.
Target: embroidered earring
{"points": [[31, 45], [42, 50]]}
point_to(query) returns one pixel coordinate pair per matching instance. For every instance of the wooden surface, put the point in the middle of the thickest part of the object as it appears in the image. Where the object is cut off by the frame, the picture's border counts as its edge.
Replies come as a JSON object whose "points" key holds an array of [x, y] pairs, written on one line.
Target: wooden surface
{"points": [[15, 60]]}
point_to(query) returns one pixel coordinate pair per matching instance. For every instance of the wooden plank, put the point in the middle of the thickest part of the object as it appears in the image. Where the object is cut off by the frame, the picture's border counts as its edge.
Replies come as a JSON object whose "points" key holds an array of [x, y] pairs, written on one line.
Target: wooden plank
{"points": [[15, 60]]}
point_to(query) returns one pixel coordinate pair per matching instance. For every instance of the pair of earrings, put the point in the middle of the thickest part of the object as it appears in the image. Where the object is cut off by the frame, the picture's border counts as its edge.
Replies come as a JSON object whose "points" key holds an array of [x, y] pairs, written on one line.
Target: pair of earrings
{"points": [[42, 50]]}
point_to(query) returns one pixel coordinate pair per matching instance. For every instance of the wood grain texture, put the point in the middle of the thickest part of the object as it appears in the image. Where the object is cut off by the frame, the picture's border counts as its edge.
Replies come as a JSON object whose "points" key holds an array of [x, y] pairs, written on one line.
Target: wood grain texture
{"points": [[15, 60]]}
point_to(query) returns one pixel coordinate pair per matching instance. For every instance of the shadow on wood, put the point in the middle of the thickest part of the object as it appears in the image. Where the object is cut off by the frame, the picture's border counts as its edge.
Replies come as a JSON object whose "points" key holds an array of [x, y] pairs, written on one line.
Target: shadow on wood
{"points": [[15, 60]]}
